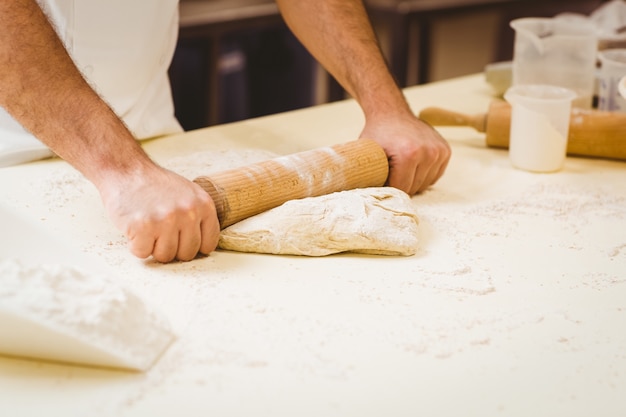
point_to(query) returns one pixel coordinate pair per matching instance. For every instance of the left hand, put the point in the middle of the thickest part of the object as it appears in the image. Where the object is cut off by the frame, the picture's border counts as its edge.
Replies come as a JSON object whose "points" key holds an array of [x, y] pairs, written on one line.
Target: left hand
{"points": [[418, 155], [161, 213]]}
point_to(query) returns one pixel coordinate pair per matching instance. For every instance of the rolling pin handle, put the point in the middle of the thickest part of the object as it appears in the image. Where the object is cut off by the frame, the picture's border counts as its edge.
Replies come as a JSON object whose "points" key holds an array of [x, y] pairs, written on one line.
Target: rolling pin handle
{"points": [[436, 116], [216, 195]]}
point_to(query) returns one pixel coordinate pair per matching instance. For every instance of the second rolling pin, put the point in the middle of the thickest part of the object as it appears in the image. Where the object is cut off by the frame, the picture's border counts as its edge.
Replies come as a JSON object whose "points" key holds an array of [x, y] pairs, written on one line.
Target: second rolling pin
{"points": [[591, 133], [244, 192]]}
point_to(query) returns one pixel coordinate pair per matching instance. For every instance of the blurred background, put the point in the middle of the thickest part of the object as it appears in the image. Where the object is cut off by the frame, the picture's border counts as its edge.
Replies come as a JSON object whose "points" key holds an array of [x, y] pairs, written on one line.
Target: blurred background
{"points": [[235, 59]]}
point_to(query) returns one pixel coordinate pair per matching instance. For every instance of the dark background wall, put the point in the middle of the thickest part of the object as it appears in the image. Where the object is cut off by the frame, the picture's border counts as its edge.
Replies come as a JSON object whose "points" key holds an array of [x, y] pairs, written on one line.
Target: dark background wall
{"points": [[231, 69], [259, 72]]}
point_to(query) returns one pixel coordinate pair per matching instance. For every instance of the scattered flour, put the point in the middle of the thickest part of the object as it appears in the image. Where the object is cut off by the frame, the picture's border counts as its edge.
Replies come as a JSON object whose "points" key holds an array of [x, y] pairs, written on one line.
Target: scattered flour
{"points": [[249, 324], [80, 317], [63, 187], [207, 162], [451, 262]]}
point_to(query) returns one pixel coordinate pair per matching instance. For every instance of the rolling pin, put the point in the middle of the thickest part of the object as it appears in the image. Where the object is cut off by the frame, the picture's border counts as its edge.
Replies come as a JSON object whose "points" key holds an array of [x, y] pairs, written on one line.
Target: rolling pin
{"points": [[591, 132], [244, 192]]}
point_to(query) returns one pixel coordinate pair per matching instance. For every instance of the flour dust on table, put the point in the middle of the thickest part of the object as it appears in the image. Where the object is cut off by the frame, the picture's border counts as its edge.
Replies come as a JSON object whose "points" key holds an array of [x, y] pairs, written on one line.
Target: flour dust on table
{"points": [[375, 220], [63, 313]]}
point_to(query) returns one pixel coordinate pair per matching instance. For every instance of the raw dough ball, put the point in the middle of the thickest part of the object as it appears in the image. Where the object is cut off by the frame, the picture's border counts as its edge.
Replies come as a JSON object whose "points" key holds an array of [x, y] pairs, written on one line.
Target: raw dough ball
{"points": [[378, 220]]}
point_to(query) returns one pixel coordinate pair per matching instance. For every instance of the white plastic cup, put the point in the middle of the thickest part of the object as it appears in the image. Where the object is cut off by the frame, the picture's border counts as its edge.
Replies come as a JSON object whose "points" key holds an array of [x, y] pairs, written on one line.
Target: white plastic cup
{"points": [[540, 118], [612, 70]]}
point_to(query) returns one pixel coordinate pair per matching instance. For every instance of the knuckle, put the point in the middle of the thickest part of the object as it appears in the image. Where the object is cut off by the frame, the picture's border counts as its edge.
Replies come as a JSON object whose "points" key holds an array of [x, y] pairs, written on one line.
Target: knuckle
{"points": [[185, 257], [141, 251], [164, 255]]}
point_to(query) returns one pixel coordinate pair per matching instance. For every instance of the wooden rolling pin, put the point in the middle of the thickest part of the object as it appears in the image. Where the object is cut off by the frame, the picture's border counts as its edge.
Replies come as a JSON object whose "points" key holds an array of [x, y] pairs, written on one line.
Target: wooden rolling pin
{"points": [[591, 133], [244, 192]]}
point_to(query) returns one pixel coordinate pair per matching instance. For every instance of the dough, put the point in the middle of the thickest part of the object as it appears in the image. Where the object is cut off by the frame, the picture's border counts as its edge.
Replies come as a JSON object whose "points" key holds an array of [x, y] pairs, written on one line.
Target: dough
{"points": [[377, 220]]}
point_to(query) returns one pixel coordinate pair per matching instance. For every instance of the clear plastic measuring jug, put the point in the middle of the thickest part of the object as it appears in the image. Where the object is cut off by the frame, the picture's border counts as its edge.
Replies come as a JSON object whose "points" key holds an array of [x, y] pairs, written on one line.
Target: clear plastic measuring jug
{"points": [[556, 51]]}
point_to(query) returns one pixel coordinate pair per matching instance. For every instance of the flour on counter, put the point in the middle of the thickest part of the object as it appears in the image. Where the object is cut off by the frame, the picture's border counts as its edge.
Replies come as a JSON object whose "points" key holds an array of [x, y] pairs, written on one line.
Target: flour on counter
{"points": [[78, 317], [207, 162], [261, 324], [63, 187]]}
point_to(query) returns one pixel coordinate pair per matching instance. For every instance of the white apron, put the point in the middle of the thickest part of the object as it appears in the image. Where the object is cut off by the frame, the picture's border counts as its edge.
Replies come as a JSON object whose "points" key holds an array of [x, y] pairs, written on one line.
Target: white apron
{"points": [[123, 48]]}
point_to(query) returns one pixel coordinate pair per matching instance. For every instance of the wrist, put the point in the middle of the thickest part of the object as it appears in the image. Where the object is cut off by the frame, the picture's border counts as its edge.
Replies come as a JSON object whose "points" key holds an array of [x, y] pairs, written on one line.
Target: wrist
{"points": [[384, 102]]}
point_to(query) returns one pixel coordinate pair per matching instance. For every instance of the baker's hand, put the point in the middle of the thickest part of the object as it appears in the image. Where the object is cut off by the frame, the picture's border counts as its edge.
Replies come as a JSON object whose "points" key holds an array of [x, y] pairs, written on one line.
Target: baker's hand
{"points": [[418, 155], [162, 214]]}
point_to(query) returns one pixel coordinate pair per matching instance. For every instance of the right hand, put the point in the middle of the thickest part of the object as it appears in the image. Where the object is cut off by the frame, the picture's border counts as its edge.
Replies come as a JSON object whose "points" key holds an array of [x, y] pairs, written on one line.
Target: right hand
{"points": [[162, 214], [418, 154]]}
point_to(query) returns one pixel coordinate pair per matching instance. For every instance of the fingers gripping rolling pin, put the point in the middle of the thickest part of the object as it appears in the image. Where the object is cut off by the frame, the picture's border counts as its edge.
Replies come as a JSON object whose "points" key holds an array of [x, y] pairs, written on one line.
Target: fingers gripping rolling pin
{"points": [[244, 192], [591, 133]]}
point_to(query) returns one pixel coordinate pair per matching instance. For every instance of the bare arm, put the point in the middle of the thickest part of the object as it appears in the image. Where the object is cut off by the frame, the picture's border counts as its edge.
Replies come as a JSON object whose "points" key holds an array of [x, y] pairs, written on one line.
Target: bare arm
{"points": [[339, 35], [161, 213]]}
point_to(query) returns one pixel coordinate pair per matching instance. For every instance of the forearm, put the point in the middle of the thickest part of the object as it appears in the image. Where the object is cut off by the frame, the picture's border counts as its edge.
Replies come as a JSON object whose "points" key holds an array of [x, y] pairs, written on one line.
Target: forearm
{"points": [[161, 213], [44, 91], [338, 33]]}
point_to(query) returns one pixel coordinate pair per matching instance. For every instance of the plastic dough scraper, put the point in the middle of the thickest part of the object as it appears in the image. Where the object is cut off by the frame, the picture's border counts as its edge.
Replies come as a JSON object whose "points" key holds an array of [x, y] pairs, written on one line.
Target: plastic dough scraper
{"points": [[55, 312]]}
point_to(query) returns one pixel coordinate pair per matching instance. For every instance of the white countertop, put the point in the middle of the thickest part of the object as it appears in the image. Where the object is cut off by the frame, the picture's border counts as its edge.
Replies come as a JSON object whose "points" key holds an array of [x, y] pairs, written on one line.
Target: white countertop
{"points": [[515, 304]]}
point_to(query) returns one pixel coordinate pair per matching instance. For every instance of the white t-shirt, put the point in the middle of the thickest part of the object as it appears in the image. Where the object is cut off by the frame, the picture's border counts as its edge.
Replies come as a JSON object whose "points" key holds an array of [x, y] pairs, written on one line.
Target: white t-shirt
{"points": [[123, 48]]}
